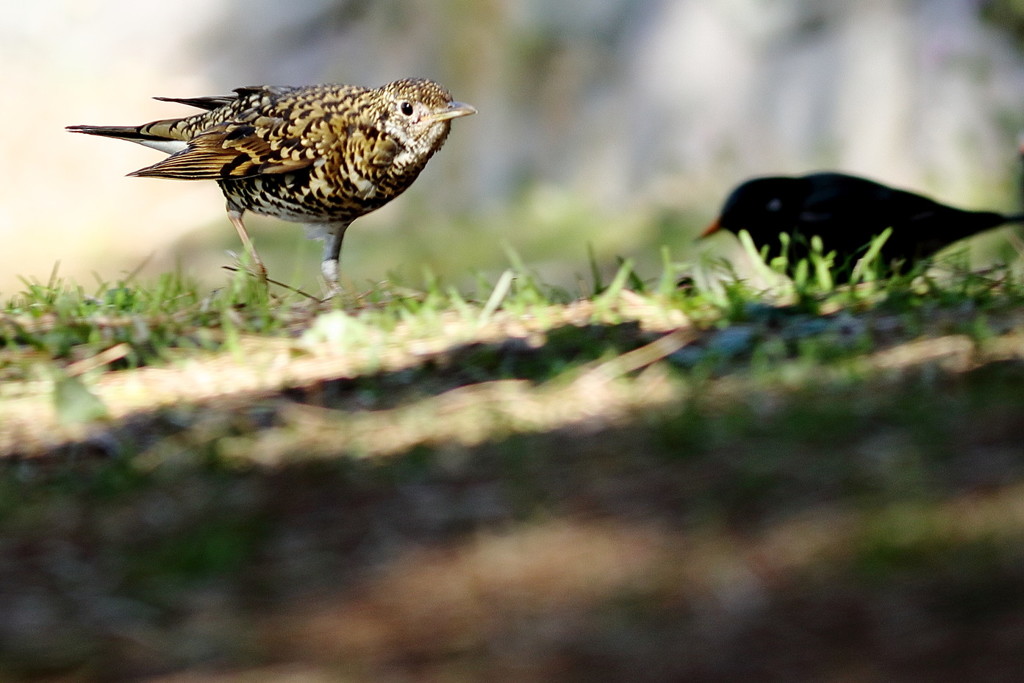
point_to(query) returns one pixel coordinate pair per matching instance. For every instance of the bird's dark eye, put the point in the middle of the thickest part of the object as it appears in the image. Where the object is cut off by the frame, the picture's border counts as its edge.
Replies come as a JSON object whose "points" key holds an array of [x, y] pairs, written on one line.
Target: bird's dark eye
{"points": [[774, 205], [405, 108]]}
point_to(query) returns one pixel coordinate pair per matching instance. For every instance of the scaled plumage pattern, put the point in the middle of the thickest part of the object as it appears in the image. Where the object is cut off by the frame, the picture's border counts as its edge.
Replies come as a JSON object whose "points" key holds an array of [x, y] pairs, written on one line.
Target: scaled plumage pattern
{"points": [[323, 155]]}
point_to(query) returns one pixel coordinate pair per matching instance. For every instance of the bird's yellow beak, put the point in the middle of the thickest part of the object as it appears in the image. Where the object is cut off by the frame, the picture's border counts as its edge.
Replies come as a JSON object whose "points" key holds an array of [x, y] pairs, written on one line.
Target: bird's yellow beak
{"points": [[453, 111]]}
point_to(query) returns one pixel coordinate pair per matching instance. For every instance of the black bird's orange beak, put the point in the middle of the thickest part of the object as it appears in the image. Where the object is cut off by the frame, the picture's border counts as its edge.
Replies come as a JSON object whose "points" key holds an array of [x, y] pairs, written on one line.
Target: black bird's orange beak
{"points": [[711, 229]]}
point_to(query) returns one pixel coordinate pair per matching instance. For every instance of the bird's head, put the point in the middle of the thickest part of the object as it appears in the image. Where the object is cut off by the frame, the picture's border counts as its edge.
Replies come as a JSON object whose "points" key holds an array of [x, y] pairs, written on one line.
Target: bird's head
{"points": [[417, 114], [762, 206]]}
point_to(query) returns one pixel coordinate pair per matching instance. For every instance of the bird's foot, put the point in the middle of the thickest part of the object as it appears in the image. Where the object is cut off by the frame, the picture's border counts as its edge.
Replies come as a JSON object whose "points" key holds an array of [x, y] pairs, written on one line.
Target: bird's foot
{"points": [[253, 266], [329, 269]]}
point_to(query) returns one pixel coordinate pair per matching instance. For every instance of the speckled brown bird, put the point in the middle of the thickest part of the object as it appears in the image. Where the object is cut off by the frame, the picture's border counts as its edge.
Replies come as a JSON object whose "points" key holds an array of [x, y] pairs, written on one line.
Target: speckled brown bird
{"points": [[322, 155]]}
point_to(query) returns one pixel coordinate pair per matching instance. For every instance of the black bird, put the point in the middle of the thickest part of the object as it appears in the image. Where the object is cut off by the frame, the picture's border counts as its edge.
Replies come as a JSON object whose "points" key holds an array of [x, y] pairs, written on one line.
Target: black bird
{"points": [[847, 212]]}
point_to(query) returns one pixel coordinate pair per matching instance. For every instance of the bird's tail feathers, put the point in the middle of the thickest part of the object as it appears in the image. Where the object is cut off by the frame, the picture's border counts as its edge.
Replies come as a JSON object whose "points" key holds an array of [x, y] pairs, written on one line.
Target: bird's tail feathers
{"points": [[159, 135]]}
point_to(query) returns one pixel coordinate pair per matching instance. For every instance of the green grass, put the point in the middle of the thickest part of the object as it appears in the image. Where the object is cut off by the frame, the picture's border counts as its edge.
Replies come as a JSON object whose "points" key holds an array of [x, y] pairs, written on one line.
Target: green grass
{"points": [[762, 477]]}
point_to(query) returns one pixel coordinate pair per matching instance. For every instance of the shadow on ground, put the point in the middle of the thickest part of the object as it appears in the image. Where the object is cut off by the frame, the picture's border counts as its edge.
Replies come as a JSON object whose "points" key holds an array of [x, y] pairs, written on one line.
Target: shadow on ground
{"points": [[856, 531]]}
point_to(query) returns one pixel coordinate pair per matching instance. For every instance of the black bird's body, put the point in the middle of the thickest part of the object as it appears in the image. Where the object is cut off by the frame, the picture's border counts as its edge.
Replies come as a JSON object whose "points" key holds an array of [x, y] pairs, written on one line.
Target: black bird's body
{"points": [[847, 212]]}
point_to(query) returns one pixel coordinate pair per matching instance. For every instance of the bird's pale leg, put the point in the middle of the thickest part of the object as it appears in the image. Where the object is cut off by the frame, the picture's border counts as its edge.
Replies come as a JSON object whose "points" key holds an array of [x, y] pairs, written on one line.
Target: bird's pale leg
{"points": [[332, 255], [235, 216]]}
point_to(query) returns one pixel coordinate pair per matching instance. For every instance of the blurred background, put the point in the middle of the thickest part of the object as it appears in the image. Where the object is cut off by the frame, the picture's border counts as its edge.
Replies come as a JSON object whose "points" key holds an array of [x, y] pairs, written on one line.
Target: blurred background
{"points": [[616, 125]]}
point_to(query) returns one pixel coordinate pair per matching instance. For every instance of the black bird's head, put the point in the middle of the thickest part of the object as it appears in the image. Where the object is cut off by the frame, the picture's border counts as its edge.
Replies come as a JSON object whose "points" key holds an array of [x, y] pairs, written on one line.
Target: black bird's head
{"points": [[763, 207]]}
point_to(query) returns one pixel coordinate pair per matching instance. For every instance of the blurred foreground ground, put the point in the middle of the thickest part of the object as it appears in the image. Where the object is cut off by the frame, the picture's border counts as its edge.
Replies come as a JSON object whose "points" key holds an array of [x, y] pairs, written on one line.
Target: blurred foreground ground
{"points": [[840, 501]]}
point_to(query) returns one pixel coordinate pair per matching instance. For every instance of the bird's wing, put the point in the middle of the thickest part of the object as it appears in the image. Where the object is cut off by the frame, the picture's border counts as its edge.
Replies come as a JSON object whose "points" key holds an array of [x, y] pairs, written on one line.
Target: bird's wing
{"points": [[243, 96], [853, 204], [207, 103], [231, 150]]}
